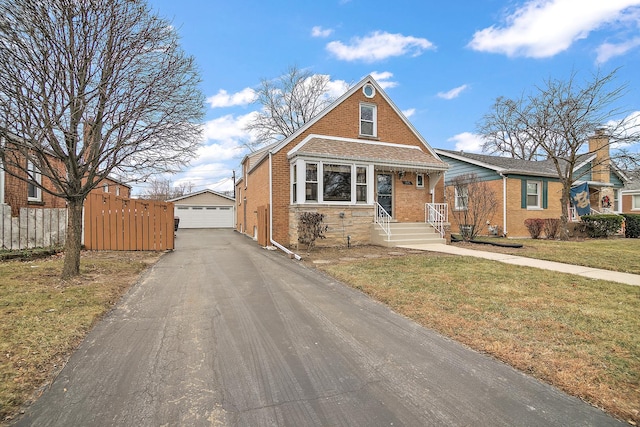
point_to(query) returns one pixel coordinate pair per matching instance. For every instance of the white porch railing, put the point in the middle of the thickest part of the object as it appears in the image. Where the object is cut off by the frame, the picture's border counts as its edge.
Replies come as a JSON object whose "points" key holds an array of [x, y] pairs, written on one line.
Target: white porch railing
{"points": [[436, 215], [574, 217], [383, 219]]}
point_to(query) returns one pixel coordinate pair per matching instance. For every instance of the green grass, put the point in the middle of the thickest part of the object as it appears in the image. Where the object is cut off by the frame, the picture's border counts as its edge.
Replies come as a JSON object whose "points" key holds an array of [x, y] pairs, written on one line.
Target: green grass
{"points": [[610, 254], [42, 318], [578, 334]]}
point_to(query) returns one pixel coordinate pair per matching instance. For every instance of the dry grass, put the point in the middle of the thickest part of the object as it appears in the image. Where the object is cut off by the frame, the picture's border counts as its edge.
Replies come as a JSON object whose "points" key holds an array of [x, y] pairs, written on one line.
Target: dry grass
{"points": [[576, 333], [43, 319], [610, 254]]}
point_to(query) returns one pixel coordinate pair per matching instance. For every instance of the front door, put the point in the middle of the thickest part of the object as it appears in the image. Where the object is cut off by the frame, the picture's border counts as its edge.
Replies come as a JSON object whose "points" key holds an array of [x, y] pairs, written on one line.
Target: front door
{"points": [[384, 190]]}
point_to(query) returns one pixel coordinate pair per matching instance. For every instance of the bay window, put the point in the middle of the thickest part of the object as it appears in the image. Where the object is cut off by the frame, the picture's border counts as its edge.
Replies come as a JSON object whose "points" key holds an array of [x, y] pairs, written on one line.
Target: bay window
{"points": [[341, 183]]}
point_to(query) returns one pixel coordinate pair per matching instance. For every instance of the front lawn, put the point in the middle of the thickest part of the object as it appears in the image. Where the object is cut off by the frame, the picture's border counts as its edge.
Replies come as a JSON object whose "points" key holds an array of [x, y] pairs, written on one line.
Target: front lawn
{"points": [[615, 254], [576, 333]]}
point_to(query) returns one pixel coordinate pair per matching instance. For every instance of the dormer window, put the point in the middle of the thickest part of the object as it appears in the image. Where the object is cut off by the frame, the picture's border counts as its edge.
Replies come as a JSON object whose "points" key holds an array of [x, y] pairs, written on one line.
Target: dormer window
{"points": [[368, 126]]}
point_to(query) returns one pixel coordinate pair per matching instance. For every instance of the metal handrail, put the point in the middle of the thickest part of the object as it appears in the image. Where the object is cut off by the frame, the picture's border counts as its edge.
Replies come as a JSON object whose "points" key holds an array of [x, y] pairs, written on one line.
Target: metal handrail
{"points": [[437, 215], [383, 219]]}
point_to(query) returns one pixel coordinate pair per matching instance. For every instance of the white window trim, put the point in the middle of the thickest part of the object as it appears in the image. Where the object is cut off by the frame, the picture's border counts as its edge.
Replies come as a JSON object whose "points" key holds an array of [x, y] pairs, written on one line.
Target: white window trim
{"points": [[37, 178], [301, 189], [634, 206], [456, 197], [374, 120], [538, 206], [418, 183]]}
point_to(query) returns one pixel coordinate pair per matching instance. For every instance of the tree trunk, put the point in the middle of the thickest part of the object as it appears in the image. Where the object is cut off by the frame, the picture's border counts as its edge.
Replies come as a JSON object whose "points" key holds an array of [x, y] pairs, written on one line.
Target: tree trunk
{"points": [[564, 218], [73, 243]]}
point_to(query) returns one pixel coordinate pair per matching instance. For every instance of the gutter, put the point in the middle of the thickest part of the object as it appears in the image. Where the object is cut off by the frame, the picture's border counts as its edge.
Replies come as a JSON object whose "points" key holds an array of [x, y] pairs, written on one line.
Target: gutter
{"points": [[273, 242], [504, 204]]}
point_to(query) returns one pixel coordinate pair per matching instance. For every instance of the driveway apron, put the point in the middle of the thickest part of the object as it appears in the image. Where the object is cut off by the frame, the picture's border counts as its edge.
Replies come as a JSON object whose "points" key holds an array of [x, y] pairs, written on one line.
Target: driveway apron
{"points": [[221, 332]]}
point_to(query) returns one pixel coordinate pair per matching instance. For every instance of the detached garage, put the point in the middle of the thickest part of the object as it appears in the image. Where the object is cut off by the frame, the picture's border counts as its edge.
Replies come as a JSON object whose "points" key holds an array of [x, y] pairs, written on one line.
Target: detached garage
{"points": [[205, 209]]}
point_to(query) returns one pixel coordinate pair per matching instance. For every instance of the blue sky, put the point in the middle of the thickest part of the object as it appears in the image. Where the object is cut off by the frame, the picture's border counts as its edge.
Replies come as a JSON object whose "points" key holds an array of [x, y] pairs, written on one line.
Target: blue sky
{"points": [[443, 63]]}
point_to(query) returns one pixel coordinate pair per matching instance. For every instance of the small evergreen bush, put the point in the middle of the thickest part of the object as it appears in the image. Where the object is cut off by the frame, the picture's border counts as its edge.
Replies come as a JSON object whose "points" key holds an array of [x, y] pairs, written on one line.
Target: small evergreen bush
{"points": [[632, 226], [602, 225]]}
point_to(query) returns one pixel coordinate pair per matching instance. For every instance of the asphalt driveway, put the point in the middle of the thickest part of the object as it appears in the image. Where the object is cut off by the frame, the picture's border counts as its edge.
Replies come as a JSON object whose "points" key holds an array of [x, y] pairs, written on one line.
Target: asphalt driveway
{"points": [[224, 333]]}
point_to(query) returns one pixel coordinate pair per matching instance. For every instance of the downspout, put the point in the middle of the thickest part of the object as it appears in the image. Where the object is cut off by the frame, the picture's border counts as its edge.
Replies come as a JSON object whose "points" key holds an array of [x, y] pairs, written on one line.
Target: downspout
{"points": [[504, 204], [273, 242]]}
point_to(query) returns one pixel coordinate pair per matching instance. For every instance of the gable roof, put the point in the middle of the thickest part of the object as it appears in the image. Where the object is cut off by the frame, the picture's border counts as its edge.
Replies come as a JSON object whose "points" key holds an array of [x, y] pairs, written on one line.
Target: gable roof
{"points": [[504, 164], [277, 146], [382, 153], [215, 193]]}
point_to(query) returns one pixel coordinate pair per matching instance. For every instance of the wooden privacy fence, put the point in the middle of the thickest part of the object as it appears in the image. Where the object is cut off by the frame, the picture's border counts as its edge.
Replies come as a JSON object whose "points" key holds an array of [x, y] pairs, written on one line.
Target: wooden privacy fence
{"points": [[119, 224], [33, 228]]}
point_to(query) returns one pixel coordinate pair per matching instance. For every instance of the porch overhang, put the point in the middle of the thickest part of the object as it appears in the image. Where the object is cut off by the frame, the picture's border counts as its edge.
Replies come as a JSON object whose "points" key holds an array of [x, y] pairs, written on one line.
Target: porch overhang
{"points": [[383, 155]]}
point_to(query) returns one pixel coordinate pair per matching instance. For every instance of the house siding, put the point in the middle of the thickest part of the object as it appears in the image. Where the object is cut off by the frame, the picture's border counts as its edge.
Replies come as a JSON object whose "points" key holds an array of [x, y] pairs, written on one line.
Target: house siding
{"points": [[458, 168]]}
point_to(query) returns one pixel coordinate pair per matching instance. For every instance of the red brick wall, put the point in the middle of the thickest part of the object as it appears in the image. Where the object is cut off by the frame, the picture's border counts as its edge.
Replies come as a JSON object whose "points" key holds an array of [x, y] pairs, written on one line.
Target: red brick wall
{"points": [[16, 195], [256, 193], [516, 214]]}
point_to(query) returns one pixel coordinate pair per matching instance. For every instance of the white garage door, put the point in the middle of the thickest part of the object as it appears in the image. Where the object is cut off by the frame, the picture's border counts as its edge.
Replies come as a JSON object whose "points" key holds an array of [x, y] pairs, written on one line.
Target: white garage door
{"points": [[204, 216]]}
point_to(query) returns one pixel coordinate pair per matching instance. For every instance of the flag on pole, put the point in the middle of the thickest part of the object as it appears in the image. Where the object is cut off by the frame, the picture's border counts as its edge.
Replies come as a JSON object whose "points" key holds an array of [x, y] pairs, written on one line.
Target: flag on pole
{"points": [[580, 199]]}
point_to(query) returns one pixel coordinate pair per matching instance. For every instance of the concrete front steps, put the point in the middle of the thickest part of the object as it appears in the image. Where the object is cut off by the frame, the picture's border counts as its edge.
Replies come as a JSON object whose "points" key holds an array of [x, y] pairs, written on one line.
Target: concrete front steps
{"points": [[406, 233]]}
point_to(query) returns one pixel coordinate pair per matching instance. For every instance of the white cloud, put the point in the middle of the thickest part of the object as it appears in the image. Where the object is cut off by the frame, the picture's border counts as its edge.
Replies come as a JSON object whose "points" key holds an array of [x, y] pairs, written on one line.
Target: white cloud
{"points": [[318, 31], [606, 51], [467, 141], [453, 93], [408, 113], [378, 46], [224, 138], [544, 28], [627, 129], [383, 79], [336, 88], [223, 99]]}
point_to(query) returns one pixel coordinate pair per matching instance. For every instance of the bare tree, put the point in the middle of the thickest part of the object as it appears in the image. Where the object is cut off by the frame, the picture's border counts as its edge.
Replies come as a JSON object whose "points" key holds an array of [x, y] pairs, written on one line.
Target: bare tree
{"points": [[556, 120], [503, 130], [473, 202], [91, 87], [164, 189], [288, 102]]}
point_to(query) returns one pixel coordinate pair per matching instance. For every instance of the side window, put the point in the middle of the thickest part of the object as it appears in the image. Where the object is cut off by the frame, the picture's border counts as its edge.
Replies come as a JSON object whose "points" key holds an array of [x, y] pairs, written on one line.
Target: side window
{"points": [[34, 192], [311, 182], [420, 180], [294, 184], [461, 197], [533, 194]]}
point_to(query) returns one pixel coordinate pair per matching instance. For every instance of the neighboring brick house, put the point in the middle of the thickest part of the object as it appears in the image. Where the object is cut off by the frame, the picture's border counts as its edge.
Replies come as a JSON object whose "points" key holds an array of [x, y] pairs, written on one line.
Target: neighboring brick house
{"points": [[19, 193], [358, 155], [531, 189], [630, 196]]}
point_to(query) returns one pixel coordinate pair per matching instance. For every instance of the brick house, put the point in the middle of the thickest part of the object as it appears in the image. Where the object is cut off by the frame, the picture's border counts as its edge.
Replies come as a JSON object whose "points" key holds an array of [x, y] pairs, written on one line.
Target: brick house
{"points": [[360, 162], [19, 193], [530, 189], [630, 196]]}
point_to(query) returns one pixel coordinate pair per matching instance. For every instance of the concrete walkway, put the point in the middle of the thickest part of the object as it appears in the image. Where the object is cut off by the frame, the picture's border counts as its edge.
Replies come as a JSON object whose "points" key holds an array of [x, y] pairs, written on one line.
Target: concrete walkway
{"points": [[592, 273]]}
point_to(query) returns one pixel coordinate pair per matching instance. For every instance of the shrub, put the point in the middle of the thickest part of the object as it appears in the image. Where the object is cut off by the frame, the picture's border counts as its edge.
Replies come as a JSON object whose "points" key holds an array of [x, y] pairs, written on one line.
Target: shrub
{"points": [[602, 225], [632, 225], [535, 226], [551, 227], [310, 228]]}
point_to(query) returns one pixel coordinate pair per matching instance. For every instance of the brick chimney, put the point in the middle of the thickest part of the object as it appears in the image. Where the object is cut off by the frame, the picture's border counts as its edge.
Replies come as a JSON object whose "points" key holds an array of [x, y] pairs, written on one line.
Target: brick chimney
{"points": [[601, 165]]}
